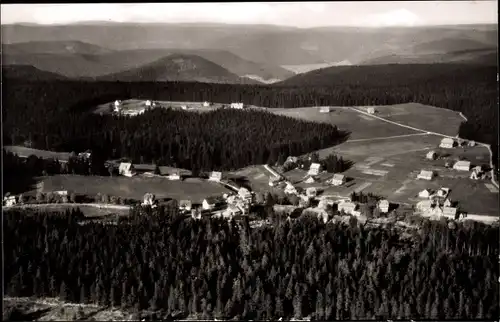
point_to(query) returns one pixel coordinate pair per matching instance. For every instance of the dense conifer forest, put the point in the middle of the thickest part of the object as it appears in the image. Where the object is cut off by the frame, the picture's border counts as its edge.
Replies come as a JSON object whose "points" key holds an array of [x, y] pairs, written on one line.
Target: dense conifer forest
{"points": [[50, 113], [160, 262]]}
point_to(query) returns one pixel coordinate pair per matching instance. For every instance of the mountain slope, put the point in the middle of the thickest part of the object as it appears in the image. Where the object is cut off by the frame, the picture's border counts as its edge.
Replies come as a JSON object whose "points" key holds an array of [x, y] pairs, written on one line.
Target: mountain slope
{"points": [[55, 47], [178, 67], [29, 73]]}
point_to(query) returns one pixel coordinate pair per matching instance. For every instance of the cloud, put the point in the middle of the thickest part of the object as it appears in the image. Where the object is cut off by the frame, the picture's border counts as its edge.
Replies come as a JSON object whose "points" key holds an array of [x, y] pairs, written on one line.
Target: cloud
{"points": [[398, 17]]}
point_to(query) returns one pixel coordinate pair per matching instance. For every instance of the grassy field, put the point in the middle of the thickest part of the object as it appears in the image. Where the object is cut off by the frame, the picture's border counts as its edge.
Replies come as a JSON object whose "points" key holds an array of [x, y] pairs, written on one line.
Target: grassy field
{"points": [[90, 212], [360, 126], [421, 116], [134, 188], [257, 177], [25, 152]]}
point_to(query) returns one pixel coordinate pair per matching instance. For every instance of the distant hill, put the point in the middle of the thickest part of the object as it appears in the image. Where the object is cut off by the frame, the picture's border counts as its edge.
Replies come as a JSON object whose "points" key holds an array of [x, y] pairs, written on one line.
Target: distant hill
{"points": [[53, 57], [30, 73], [384, 75], [178, 67], [448, 45]]}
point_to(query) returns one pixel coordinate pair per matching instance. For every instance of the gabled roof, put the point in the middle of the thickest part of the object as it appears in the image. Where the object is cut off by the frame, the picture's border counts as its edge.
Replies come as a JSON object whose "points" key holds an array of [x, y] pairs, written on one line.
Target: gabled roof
{"points": [[448, 141], [315, 166], [216, 174], [383, 203], [125, 166], [462, 163], [426, 173], [338, 176]]}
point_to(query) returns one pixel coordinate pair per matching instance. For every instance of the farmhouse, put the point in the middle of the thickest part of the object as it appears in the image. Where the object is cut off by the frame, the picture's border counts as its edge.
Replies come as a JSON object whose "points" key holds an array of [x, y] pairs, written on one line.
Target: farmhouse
{"points": [[149, 199], [424, 205], [211, 202], [237, 106], [126, 169], [324, 109], [9, 200], [314, 169], [450, 212], [425, 175], [471, 143], [338, 179], [245, 194], [431, 155], [215, 176], [347, 207], [311, 192], [310, 179], [206, 104], [185, 205], [447, 143], [148, 103], [196, 214], [61, 193], [424, 194], [370, 110], [290, 189], [174, 176], [462, 165], [184, 107], [383, 205]]}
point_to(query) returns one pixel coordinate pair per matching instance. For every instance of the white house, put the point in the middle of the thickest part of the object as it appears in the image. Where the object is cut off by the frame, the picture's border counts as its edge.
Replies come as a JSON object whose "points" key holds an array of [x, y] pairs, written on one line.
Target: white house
{"points": [[185, 205], [424, 205], [314, 169], [370, 110], [324, 109], [447, 203], [310, 179], [383, 205], [471, 143], [206, 104], [117, 105], [245, 194], [237, 106], [126, 169], [462, 165], [431, 155], [450, 212], [148, 103], [443, 192], [347, 207], [425, 175], [424, 194], [149, 199], [447, 143], [338, 179], [290, 189], [311, 192], [174, 176], [184, 107], [9, 200], [475, 175], [215, 176]]}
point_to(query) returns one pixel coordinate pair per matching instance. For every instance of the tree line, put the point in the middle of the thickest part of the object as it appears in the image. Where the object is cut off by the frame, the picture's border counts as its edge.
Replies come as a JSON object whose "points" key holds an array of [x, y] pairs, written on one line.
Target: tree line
{"points": [[162, 263]]}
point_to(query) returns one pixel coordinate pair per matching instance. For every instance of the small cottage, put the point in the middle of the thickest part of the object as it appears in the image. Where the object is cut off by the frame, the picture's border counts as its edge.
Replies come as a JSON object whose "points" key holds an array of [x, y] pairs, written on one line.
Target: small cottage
{"points": [[174, 176], [310, 179], [184, 107], [324, 109], [290, 189], [231, 211], [425, 175], [237, 106], [338, 179], [447, 143], [186, 205], [462, 165], [383, 206], [424, 194], [431, 155], [215, 176], [206, 104], [370, 110], [148, 199], [126, 169], [471, 143], [245, 194], [311, 192], [447, 203], [314, 169], [148, 103], [195, 214]]}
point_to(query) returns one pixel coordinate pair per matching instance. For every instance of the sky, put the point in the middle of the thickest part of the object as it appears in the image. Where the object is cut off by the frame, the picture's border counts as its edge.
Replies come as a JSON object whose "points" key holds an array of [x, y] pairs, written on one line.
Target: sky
{"points": [[296, 14]]}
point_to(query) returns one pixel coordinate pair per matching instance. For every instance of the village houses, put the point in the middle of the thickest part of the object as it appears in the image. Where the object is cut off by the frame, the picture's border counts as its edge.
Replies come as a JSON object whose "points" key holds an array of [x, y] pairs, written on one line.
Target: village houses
{"points": [[370, 110], [174, 176], [9, 200], [383, 206], [447, 143], [310, 179], [290, 189], [237, 106], [426, 193], [347, 207], [311, 192], [450, 212]]}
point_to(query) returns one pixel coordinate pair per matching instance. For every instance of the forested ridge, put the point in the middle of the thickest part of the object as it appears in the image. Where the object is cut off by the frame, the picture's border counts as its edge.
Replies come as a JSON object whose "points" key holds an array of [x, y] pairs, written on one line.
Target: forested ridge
{"points": [[216, 268], [52, 109]]}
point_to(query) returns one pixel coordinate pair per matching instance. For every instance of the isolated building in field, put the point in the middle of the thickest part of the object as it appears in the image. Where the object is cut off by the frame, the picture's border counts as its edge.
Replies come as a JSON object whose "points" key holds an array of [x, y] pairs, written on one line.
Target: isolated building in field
{"points": [[471, 143], [324, 109], [206, 104], [450, 212], [9, 200], [370, 110], [447, 143], [383, 206], [148, 199], [347, 207], [431, 155], [211, 203], [314, 169], [310, 179], [462, 165], [338, 179], [311, 192], [186, 205], [425, 175], [238, 106], [424, 193], [126, 169], [215, 176], [184, 107], [148, 103], [174, 176]]}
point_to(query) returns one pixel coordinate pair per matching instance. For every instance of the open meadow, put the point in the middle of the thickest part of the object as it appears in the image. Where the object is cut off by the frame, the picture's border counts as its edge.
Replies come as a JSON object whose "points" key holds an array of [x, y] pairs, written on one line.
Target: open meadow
{"points": [[44, 154], [134, 188]]}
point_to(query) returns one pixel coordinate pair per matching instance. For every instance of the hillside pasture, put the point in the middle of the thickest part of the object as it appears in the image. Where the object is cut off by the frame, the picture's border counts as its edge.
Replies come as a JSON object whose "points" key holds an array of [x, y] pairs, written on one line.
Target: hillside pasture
{"points": [[360, 126], [425, 117], [134, 188]]}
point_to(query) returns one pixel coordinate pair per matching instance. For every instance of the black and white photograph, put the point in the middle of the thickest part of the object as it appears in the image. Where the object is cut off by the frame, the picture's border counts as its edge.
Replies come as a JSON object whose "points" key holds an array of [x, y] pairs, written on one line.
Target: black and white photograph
{"points": [[268, 161]]}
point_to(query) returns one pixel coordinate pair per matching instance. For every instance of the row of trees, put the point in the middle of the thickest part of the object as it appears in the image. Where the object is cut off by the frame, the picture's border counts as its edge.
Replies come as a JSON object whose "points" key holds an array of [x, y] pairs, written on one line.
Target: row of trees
{"points": [[47, 112], [217, 268]]}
